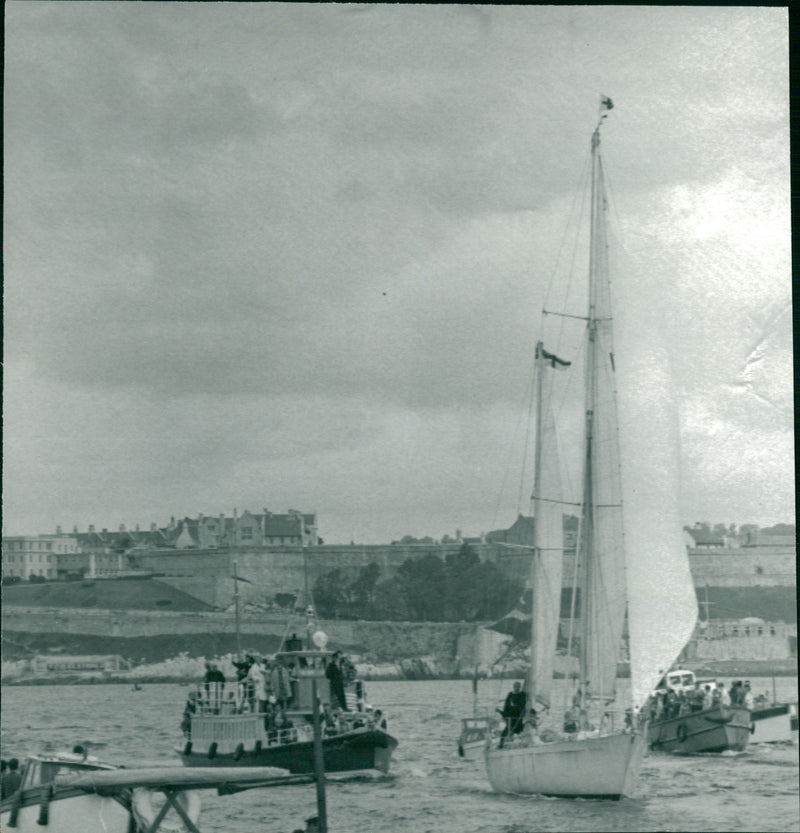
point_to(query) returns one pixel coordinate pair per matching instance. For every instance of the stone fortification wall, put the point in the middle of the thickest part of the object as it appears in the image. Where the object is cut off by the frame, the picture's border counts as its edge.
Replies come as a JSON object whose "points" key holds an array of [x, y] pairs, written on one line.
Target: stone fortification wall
{"points": [[281, 569], [206, 573], [273, 570], [380, 641], [747, 639], [750, 567]]}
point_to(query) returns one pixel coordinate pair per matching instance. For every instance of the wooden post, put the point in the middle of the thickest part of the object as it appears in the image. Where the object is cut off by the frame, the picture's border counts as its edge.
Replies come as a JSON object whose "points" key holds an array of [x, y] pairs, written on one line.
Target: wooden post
{"points": [[236, 603], [319, 763]]}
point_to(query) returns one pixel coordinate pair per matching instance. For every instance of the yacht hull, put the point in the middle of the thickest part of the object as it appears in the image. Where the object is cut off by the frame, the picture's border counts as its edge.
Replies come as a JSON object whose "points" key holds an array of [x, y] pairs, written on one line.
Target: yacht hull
{"points": [[711, 730], [596, 767]]}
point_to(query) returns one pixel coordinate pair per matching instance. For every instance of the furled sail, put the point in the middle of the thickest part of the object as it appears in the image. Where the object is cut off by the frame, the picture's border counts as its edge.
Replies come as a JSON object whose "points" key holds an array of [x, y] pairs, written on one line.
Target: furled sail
{"points": [[547, 564], [602, 550]]}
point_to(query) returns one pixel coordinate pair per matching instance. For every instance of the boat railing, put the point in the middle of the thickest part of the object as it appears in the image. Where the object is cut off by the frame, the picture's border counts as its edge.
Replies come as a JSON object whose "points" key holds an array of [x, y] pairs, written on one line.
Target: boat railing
{"points": [[208, 699], [548, 728]]}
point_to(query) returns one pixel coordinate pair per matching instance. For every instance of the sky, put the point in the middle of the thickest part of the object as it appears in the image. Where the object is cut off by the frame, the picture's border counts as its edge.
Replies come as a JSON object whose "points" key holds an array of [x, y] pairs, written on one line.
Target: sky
{"points": [[293, 256]]}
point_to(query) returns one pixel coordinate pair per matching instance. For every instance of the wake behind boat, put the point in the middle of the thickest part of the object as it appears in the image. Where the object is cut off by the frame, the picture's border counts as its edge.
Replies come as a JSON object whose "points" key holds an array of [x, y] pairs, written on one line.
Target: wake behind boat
{"points": [[592, 746]]}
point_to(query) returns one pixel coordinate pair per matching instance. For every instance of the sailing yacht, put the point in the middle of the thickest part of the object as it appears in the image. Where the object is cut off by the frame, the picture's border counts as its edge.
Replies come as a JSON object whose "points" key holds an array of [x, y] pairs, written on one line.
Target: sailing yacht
{"points": [[592, 746]]}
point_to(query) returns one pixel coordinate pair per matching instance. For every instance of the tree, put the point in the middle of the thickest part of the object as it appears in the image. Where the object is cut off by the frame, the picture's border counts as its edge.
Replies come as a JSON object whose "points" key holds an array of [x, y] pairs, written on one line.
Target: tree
{"points": [[331, 593], [362, 591]]}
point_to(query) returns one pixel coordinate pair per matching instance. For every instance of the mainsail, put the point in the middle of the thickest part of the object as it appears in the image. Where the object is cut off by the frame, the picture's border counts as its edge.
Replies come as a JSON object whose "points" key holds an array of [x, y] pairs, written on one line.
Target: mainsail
{"points": [[601, 551], [547, 564]]}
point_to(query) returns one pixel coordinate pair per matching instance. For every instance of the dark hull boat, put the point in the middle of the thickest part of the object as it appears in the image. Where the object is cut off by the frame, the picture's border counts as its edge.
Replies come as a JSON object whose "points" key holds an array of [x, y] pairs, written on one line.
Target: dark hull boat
{"points": [[361, 749], [717, 729], [224, 728]]}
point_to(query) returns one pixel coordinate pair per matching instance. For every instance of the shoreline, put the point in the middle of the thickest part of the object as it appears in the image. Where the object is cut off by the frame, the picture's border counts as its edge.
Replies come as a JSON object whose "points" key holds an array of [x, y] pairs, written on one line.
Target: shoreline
{"points": [[727, 668]]}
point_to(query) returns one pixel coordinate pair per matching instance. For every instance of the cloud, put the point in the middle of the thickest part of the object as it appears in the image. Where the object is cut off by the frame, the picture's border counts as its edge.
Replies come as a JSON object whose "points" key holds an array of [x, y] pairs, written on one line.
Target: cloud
{"points": [[249, 242]]}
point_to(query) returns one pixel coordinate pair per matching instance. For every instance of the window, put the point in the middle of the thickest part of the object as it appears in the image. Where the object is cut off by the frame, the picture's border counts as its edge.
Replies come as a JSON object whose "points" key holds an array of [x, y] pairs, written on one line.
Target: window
{"points": [[247, 533]]}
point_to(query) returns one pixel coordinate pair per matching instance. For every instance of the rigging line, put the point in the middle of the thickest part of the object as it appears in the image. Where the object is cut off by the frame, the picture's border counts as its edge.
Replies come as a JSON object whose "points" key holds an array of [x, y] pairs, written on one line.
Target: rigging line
{"points": [[554, 500], [564, 315], [508, 463], [580, 191], [527, 441]]}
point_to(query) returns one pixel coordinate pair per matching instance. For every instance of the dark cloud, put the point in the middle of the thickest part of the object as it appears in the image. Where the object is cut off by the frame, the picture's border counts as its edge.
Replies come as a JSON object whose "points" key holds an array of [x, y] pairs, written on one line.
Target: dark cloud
{"points": [[349, 215]]}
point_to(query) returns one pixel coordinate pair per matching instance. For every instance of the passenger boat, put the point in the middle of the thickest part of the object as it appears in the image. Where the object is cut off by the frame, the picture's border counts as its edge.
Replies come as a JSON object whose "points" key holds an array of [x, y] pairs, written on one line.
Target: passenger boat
{"points": [[697, 729], [223, 728], [594, 749], [76, 793], [774, 723]]}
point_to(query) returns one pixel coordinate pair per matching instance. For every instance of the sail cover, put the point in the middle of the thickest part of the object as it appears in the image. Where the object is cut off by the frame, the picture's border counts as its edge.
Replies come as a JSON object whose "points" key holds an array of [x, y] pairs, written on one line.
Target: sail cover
{"points": [[548, 556]]}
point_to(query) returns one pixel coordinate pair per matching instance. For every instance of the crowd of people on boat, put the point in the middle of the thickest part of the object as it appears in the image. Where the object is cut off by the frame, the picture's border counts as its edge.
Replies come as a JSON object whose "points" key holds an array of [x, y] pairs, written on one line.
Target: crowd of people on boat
{"points": [[669, 704], [267, 686], [519, 715]]}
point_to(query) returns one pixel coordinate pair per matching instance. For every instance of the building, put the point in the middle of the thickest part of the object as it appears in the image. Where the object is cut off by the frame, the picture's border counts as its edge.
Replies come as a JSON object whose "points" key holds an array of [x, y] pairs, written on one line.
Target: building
{"points": [[78, 665], [36, 555], [248, 530]]}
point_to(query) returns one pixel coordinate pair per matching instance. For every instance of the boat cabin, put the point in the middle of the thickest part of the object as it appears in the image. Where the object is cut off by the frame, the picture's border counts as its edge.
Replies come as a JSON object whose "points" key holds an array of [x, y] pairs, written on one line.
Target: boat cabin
{"points": [[58, 769], [305, 666], [682, 680]]}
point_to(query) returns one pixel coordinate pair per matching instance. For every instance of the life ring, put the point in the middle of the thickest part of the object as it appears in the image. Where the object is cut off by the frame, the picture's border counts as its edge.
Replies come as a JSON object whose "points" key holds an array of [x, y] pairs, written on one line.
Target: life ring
{"points": [[145, 811], [238, 752], [681, 733], [212, 751]]}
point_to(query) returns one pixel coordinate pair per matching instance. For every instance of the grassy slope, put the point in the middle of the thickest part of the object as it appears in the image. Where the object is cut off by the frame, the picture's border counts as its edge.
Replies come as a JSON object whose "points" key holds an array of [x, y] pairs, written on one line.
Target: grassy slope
{"points": [[130, 594]]}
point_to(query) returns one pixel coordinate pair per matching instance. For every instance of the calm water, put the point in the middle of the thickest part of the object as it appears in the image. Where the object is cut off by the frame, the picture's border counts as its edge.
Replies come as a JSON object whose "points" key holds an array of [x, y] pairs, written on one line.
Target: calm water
{"points": [[430, 789]]}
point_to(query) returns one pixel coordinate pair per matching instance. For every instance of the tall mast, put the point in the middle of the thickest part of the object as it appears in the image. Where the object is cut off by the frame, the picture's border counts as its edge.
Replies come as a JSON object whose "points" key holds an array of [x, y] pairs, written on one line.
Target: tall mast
{"points": [[587, 520], [537, 515]]}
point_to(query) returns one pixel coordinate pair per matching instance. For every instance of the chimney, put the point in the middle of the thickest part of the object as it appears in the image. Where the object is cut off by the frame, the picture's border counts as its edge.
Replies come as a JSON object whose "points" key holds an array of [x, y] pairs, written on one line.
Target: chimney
{"points": [[91, 527], [137, 527], [122, 527], [58, 530], [152, 527], [235, 513], [75, 529]]}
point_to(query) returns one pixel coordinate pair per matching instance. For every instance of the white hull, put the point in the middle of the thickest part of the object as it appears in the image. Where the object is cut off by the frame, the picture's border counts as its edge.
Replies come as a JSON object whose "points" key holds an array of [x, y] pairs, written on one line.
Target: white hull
{"points": [[73, 814], [777, 728], [594, 767]]}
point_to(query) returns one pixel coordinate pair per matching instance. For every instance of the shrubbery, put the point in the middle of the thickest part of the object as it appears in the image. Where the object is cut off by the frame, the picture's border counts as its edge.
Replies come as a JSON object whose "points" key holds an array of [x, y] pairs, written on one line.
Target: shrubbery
{"points": [[427, 589]]}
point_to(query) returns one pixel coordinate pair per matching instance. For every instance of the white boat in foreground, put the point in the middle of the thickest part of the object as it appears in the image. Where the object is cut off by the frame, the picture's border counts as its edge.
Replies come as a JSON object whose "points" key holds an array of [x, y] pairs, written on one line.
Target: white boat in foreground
{"points": [[76, 793], [592, 746], [775, 723]]}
